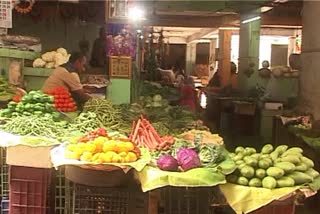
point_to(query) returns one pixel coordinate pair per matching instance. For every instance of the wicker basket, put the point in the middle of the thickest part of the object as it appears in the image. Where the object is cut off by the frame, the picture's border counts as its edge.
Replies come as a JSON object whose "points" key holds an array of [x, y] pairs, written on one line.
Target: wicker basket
{"points": [[98, 178]]}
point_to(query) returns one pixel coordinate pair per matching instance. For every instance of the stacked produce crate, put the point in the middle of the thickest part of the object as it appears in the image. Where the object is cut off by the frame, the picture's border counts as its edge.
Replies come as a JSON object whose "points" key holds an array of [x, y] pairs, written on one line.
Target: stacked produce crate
{"points": [[180, 200], [29, 189], [92, 200], [63, 193]]}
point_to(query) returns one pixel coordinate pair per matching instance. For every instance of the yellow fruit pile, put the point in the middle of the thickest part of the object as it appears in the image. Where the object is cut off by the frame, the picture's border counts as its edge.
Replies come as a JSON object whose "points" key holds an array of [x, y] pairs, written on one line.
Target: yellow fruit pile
{"points": [[102, 150]]}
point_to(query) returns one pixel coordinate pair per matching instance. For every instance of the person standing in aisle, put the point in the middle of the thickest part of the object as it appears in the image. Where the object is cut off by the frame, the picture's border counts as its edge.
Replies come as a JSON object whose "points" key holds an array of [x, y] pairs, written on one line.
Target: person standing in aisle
{"points": [[67, 76], [98, 55], [187, 94]]}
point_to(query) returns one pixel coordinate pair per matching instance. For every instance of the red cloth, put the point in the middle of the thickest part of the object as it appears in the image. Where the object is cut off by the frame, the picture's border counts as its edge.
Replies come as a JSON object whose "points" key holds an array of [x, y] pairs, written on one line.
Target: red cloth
{"points": [[188, 97]]}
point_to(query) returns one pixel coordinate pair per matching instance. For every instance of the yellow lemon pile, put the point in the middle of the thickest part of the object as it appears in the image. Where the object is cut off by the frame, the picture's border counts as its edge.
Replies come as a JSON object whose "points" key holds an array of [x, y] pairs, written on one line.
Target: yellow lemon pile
{"points": [[103, 150]]}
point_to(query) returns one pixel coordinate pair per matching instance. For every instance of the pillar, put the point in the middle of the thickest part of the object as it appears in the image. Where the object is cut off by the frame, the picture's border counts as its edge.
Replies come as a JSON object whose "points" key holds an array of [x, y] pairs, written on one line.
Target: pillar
{"points": [[248, 54], [309, 96], [190, 57], [224, 57], [212, 57]]}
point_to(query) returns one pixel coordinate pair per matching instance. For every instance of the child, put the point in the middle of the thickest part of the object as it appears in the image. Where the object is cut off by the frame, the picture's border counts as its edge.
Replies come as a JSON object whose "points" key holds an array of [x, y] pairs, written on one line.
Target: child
{"points": [[188, 94]]}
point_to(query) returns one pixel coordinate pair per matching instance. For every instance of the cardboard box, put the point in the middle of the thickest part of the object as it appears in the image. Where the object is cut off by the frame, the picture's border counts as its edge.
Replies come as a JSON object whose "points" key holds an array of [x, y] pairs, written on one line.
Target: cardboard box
{"points": [[22, 155]]}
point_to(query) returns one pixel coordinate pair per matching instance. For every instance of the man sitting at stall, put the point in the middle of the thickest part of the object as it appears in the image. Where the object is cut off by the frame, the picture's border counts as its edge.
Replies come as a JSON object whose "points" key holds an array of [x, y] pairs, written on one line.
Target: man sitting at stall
{"points": [[67, 76]]}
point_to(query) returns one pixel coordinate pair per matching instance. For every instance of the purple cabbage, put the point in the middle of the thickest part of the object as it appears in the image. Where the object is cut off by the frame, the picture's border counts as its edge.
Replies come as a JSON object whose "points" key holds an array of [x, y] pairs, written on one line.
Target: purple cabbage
{"points": [[188, 159], [167, 163]]}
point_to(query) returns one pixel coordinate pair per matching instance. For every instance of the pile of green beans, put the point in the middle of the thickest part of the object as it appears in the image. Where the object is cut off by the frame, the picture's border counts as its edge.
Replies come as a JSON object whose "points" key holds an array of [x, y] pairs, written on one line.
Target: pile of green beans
{"points": [[107, 114], [35, 126]]}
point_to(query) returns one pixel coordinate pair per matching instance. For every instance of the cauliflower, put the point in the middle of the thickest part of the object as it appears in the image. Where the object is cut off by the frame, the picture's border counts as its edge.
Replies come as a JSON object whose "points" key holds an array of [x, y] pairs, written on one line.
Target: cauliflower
{"points": [[38, 63], [49, 56], [50, 65], [62, 51]]}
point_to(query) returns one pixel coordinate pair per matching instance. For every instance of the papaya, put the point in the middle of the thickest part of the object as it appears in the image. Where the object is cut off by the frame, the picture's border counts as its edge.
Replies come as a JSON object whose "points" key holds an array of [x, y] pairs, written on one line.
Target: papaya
{"points": [[307, 161], [256, 156], [281, 149], [250, 161], [295, 150], [239, 156], [243, 181], [242, 165], [264, 164], [274, 155], [260, 173], [232, 155], [267, 149], [300, 178], [255, 182], [292, 159], [247, 171], [312, 173], [263, 156], [275, 172], [301, 167], [239, 162], [286, 166], [285, 182], [269, 182], [287, 153], [239, 149]]}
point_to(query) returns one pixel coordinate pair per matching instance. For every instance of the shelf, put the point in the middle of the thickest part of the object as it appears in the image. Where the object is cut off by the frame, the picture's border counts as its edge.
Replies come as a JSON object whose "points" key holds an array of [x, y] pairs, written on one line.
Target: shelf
{"points": [[39, 72], [13, 53]]}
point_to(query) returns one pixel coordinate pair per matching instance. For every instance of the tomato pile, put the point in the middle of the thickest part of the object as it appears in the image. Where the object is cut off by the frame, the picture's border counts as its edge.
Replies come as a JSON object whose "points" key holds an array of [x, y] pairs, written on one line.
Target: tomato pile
{"points": [[63, 100]]}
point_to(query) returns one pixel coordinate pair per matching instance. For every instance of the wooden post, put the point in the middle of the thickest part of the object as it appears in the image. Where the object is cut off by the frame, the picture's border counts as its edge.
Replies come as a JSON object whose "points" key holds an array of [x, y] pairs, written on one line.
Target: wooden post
{"points": [[224, 56]]}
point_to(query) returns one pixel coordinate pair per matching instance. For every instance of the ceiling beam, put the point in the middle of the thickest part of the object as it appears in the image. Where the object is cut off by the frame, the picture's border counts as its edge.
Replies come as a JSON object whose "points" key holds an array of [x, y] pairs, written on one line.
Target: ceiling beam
{"points": [[203, 32], [195, 21], [281, 20]]}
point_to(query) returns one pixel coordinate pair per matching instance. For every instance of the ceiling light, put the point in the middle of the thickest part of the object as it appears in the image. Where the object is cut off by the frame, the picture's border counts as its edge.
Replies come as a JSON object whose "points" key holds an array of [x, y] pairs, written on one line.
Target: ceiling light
{"points": [[265, 9], [251, 19], [136, 14]]}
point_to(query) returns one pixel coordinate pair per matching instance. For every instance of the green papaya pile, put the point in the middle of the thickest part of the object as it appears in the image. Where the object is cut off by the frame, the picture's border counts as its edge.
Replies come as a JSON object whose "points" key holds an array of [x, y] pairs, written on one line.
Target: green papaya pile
{"points": [[272, 167]]}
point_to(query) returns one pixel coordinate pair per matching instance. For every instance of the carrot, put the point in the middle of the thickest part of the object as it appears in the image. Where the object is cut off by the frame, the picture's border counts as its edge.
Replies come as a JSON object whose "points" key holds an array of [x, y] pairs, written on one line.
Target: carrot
{"points": [[133, 127], [136, 129]]}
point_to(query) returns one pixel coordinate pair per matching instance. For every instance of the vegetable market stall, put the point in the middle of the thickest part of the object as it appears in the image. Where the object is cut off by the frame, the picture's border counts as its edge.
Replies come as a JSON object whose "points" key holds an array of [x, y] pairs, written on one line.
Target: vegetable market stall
{"points": [[107, 138]]}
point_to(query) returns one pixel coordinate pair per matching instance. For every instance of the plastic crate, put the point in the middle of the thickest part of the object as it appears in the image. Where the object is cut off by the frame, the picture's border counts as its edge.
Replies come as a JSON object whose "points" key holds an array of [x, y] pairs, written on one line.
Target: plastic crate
{"points": [[180, 200], [29, 188], [4, 174], [4, 206], [92, 200], [63, 193]]}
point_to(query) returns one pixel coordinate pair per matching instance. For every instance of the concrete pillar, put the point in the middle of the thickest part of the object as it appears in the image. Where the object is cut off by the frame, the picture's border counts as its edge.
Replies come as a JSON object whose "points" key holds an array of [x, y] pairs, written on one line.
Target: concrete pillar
{"points": [[190, 57], [309, 96], [224, 57], [248, 54], [212, 58]]}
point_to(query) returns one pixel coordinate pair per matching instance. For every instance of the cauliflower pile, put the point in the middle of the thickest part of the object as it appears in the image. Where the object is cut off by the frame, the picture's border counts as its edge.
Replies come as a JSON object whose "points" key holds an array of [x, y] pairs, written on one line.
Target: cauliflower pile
{"points": [[52, 59]]}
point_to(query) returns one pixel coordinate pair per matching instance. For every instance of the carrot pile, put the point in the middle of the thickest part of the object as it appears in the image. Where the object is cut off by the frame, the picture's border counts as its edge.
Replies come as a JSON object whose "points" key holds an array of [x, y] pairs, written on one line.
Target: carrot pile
{"points": [[143, 134]]}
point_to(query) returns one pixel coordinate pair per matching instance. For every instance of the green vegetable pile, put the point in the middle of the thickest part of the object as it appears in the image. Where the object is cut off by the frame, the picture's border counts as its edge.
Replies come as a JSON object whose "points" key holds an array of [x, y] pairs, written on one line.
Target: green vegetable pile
{"points": [[151, 88], [85, 122], [35, 126], [108, 115], [6, 91], [272, 168], [163, 116], [33, 103]]}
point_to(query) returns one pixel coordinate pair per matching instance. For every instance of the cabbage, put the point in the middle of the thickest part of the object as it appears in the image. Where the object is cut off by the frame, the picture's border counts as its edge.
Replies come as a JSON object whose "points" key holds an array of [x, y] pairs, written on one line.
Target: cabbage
{"points": [[157, 98], [167, 163], [209, 154], [188, 159]]}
